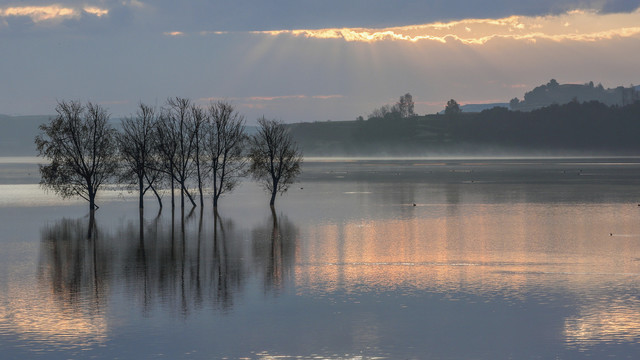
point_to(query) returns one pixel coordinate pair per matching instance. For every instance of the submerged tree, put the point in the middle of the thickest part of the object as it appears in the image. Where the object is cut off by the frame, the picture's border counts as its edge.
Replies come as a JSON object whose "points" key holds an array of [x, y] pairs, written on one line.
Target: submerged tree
{"points": [[138, 151], [176, 144], [166, 147], [224, 138], [81, 148], [199, 117], [181, 118], [275, 158]]}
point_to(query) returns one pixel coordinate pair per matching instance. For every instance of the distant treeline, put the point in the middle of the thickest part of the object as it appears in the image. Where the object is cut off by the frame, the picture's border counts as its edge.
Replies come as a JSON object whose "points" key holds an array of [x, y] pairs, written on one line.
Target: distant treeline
{"points": [[555, 93], [589, 127]]}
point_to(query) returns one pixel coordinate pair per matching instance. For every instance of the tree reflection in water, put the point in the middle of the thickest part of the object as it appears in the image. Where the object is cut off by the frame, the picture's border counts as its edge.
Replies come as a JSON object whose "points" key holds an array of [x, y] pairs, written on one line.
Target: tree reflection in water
{"points": [[203, 261], [274, 247], [75, 264]]}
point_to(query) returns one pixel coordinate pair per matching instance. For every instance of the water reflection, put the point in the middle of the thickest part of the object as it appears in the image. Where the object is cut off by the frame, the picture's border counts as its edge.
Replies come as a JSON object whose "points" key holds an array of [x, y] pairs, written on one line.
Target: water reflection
{"points": [[274, 248], [520, 253], [614, 322], [66, 307], [179, 265], [75, 262], [530, 269]]}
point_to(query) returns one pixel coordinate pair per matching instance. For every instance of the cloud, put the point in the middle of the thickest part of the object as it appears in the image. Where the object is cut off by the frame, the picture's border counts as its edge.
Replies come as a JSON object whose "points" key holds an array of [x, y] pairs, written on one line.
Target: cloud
{"points": [[577, 25], [96, 11], [40, 13], [106, 15], [173, 33], [619, 6], [52, 13]]}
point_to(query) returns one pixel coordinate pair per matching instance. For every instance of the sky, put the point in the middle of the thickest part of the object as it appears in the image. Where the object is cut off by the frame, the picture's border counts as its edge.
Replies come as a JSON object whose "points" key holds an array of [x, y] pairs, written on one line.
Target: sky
{"points": [[307, 60]]}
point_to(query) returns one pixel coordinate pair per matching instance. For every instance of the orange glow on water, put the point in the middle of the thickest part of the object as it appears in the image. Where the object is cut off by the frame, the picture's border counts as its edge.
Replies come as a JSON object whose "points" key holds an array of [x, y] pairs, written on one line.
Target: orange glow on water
{"points": [[472, 248]]}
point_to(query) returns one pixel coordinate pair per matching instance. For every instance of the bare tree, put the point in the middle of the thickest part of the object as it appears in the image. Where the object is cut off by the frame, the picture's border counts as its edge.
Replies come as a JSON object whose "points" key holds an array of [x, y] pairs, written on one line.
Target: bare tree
{"points": [[384, 111], [275, 158], [80, 145], [138, 152], [177, 140], [166, 147], [224, 139], [199, 117]]}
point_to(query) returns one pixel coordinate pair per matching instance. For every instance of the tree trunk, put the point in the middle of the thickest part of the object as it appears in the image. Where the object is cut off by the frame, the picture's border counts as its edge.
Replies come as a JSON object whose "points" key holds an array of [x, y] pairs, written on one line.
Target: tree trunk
{"points": [[274, 192], [193, 203], [141, 192], [273, 198], [141, 224], [92, 201], [199, 179], [182, 197], [173, 201], [92, 222], [215, 189], [157, 196]]}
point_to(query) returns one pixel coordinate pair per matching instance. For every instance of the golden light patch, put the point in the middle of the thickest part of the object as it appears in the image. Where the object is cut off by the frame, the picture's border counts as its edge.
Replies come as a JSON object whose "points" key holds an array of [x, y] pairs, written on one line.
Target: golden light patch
{"points": [[572, 26], [96, 11], [51, 12], [174, 33], [40, 13]]}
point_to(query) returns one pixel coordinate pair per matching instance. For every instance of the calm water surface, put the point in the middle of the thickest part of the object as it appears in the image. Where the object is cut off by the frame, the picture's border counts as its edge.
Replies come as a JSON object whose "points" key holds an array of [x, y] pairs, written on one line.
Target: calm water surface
{"points": [[497, 259]]}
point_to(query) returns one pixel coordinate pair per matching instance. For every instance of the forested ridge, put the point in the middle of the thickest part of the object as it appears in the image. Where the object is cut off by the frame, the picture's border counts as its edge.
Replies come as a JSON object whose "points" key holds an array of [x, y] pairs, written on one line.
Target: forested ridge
{"points": [[589, 127]]}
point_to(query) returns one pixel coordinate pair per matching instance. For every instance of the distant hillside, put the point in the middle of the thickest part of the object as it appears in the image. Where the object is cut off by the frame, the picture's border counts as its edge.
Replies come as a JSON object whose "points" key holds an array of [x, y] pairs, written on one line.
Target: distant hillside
{"points": [[471, 108], [17, 134], [574, 128], [555, 93]]}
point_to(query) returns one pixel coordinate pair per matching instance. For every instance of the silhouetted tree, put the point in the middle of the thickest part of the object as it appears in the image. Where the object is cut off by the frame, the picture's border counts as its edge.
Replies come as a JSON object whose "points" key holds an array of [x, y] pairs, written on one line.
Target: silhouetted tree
{"points": [[167, 148], [138, 152], [177, 136], [405, 105], [452, 108], [199, 121], [81, 147], [513, 104], [275, 158], [224, 139], [402, 109], [385, 111]]}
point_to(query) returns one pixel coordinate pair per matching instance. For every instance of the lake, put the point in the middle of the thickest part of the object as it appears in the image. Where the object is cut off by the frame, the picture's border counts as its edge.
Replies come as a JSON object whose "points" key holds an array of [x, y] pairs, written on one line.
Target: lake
{"points": [[362, 259]]}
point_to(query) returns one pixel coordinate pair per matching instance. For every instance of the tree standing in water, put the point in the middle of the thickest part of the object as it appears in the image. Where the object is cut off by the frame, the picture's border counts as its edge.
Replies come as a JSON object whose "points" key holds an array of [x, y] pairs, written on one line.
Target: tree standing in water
{"points": [[138, 152], [176, 145], [224, 139], [274, 156], [81, 148]]}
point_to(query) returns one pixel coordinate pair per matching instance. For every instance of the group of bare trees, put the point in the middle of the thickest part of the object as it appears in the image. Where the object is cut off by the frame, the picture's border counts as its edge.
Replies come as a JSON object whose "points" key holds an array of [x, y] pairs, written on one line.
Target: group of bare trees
{"points": [[181, 146], [402, 109]]}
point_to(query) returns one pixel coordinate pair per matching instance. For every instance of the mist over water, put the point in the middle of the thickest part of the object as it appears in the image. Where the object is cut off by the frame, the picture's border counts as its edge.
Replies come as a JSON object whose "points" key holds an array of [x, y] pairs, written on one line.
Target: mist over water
{"points": [[414, 258]]}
